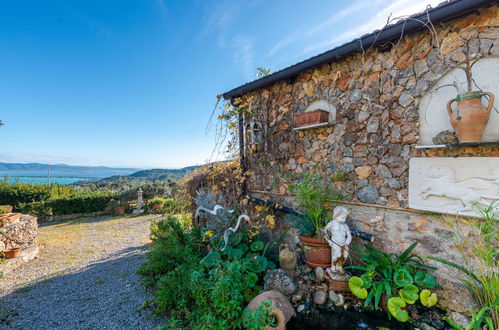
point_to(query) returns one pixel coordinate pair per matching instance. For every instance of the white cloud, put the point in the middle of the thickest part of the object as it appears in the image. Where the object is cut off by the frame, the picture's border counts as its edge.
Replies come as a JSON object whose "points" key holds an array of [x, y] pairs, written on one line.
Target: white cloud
{"points": [[396, 9], [303, 34], [243, 55]]}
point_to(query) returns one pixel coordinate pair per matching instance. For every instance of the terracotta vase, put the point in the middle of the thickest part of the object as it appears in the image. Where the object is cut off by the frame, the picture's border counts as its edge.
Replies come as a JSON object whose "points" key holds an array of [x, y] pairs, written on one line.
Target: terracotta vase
{"points": [[317, 252], [283, 310], [470, 116], [12, 253]]}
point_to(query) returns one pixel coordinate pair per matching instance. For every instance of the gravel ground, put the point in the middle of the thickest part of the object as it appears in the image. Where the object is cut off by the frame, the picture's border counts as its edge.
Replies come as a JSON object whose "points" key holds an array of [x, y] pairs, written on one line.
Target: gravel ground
{"points": [[84, 278]]}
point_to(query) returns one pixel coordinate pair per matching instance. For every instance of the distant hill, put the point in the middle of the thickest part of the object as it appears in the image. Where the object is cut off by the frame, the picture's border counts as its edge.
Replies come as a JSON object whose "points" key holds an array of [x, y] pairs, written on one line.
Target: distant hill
{"points": [[62, 170], [152, 175]]}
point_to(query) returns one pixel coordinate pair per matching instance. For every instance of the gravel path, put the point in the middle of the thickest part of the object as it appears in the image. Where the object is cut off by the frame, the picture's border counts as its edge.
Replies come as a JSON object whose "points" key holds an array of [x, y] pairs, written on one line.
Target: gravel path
{"points": [[84, 278]]}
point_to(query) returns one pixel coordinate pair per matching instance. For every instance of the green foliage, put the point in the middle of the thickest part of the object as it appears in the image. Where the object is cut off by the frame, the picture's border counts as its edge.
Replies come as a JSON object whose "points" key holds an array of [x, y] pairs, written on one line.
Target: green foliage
{"points": [[17, 193], [427, 298], [5, 209], [476, 241], [261, 318], [396, 276], [198, 290], [395, 305], [80, 203], [315, 197], [356, 285]]}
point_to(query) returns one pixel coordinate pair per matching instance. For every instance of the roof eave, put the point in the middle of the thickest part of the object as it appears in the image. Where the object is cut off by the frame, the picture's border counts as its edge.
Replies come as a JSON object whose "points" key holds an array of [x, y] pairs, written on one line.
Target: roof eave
{"points": [[443, 12]]}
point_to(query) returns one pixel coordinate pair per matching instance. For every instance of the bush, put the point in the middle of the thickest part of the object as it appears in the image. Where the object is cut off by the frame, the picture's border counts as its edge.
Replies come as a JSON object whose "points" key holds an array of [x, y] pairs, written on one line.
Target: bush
{"points": [[84, 203], [81, 203], [17, 193], [5, 209], [200, 291]]}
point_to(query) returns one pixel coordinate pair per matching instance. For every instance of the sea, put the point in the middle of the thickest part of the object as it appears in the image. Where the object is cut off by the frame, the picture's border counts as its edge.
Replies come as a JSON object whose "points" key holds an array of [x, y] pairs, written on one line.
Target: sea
{"points": [[45, 180]]}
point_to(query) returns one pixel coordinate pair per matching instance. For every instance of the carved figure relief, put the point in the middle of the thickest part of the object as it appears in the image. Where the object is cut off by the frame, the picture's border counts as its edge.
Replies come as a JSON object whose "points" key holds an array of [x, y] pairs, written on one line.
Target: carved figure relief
{"points": [[453, 185]]}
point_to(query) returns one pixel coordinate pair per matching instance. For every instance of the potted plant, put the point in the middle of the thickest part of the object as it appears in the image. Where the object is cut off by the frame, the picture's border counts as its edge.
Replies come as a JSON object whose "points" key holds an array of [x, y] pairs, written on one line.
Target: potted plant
{"points": [[470, 116], [311, 118], [118, 207], [315, 198], [158, 203]]}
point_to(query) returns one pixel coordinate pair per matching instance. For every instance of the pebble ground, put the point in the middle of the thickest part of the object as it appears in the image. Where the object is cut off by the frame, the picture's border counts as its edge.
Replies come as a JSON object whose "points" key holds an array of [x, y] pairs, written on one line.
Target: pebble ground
{"points": [[84, 278]]}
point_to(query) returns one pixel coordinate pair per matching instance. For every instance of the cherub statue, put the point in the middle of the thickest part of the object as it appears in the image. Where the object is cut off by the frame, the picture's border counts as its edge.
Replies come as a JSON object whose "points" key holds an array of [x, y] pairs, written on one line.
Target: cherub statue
{"points": [[339, 237]]}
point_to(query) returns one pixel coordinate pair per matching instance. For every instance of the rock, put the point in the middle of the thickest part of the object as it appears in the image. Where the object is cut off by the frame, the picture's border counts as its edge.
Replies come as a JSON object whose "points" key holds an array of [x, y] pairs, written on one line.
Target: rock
{"points": [[337, 299], [319, 274], [372, 125], [460, 319], [362, 183], [383, 171], [393, 183], [278, 300], [420, 67], [279, 281], [348, 152], [445, 137], [406, 99], [320, 297], [355, 95], [363, 172], [369, 195], [306, 269]]}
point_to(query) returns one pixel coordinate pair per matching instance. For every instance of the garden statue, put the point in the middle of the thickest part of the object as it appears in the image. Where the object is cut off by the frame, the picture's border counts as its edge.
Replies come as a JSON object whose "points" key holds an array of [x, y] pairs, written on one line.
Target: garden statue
{"points": [[338, 235], [139, 210]]}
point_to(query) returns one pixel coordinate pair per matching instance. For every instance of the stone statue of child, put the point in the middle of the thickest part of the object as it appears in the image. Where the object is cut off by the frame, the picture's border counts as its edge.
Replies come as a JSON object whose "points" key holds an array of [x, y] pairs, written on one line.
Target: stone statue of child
{"points": [[339, 237]]}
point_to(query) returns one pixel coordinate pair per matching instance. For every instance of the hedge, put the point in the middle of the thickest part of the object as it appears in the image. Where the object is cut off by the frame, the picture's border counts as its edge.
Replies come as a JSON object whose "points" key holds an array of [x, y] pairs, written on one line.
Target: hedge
{"points": [[82, 203], [18, 193]]}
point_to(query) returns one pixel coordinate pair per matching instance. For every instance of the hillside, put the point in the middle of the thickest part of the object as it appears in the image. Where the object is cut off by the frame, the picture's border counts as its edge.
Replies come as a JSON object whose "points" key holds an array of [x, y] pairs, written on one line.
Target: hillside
{"points": [[62, 170]]}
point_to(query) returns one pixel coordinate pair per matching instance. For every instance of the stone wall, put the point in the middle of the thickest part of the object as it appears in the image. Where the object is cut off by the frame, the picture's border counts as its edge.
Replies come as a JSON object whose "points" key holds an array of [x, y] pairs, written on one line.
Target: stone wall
{"points": [[23, 233], [376, 98]]}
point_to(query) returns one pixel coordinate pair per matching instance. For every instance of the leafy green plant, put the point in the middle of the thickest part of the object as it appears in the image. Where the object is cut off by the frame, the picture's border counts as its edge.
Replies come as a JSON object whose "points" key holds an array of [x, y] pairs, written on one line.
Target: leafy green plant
{"points": [[198, 290], [315, 198], [261, 318], [5, 209], [476, 241], [398, 277]]}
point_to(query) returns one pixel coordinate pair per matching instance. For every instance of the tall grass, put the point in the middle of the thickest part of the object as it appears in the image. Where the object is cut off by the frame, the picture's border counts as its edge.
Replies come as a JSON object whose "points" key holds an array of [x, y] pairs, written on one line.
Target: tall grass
{"points": [[477, 241]]}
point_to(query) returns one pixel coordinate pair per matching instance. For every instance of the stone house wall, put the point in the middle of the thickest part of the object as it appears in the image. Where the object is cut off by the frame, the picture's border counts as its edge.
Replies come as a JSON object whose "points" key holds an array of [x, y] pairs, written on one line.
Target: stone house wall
{"points": [[376, 97]]}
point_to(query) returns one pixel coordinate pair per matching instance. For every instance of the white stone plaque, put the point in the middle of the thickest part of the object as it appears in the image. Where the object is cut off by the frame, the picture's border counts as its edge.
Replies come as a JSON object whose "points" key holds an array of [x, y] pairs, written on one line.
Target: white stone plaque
{"points": [[452, 185]]}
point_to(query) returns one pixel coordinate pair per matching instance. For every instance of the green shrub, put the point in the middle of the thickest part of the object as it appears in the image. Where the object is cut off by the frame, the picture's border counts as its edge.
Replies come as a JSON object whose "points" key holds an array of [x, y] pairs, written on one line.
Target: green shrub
{"points": [[84, 203], [198, 290], [400, 278], [80, 203], [17, 193], [5, 209]]}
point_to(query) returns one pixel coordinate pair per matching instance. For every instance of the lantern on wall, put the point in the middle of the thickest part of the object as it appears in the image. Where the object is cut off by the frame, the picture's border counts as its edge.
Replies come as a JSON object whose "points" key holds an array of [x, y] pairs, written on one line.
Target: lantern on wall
{"points": [[254, 131]]}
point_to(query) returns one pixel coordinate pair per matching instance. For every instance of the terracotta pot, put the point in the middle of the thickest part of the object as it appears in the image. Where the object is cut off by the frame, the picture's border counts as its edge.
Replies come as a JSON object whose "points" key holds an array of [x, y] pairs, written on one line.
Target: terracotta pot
{"points": [[9, 218], [120, 210], [317, 252], [311, 118], [158, 206], [283, 311], [12, 253], [470, 116]]}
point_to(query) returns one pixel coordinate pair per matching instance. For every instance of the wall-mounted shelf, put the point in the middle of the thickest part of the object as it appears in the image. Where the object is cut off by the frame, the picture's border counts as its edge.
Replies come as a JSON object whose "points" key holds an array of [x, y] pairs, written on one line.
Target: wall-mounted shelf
{"points": [[312, 126], [466, 144]]}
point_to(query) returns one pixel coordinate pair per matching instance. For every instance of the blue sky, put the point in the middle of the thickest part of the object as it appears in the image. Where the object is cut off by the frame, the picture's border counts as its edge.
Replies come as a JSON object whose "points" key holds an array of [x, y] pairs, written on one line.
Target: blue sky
{"points": [[133, 83]]}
